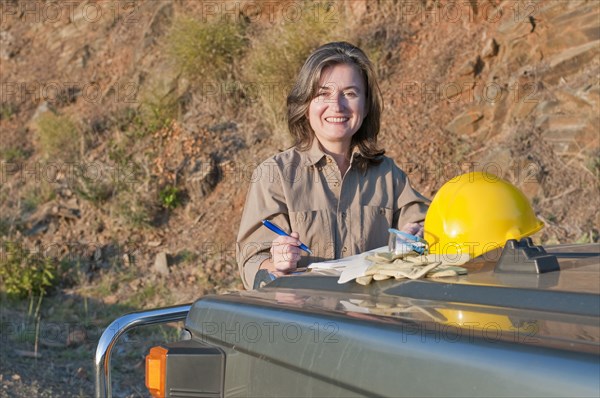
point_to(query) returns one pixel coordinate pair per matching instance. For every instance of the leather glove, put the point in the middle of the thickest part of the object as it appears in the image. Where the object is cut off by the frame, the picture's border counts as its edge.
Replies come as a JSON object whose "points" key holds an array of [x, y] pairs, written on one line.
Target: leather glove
{"points": [[387, 265]]}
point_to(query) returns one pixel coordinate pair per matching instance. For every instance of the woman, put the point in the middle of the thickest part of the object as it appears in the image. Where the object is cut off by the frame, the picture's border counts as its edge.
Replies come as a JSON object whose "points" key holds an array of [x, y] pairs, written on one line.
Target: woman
{"points": [[334, 188]]}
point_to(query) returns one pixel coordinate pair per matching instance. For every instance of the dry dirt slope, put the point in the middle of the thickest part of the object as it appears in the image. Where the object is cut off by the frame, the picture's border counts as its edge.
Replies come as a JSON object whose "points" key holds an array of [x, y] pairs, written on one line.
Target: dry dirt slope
{"points": [[511, 87], [507, 86]]}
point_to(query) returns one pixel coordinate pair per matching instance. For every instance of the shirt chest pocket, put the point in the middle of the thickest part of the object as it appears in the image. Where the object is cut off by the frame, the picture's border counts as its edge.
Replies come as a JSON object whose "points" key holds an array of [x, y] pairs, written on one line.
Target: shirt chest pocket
{"points": [[375, 222], [314, 227]]}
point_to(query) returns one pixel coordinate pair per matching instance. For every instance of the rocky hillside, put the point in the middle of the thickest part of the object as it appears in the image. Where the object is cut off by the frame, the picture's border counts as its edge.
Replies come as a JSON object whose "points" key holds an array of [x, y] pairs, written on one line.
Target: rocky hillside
{"points": [[116, 150], [110, 140], [129, 131]]}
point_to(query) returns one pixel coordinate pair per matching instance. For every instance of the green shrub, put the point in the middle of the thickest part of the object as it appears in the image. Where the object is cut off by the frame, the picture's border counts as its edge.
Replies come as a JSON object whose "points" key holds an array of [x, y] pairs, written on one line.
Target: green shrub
{"points": [[26, 274], [170, 197], [208, 50], [59, 137], [156, 112], [12, 154]]}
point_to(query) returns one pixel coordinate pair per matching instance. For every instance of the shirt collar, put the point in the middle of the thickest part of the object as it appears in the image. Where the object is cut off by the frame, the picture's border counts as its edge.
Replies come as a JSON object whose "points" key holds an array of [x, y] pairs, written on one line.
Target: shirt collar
{"points": [[355, 154], [315, 154]]}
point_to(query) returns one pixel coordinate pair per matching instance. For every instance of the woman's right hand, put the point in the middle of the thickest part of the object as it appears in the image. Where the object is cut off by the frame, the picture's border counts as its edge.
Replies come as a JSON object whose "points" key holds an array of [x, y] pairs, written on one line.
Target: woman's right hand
{"points": [[285, 252]]}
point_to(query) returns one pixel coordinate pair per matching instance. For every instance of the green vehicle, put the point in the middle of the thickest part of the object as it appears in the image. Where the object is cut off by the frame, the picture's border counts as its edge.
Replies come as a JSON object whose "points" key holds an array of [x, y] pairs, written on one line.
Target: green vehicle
{"points": [[524, 321]]}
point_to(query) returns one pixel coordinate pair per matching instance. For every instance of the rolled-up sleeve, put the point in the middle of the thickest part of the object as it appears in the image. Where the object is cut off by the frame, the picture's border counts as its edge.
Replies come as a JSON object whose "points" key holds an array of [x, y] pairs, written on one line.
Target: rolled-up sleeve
{"points": [[265, 200]]}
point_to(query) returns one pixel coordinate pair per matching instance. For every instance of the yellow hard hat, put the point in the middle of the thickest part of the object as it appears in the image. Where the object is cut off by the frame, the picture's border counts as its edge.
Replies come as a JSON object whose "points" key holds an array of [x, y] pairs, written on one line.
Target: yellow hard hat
{"points": [[477, 212]]}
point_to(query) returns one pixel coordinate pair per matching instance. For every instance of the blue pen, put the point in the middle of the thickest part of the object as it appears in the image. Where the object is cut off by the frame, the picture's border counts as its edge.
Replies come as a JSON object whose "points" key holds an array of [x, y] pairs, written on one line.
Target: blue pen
{"points": [[281, 232]]}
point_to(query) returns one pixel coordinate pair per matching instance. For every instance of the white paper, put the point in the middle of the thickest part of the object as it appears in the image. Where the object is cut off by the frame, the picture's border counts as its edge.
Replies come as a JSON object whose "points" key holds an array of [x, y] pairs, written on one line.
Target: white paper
{"points": [[355, 270], [343, 262], [351, 267]]}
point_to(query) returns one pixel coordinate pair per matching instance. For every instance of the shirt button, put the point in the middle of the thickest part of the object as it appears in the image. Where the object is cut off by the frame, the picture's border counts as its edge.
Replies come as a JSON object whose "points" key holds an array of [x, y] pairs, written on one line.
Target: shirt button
{"points": [[344, 250], [344, 215], [335, 184]]}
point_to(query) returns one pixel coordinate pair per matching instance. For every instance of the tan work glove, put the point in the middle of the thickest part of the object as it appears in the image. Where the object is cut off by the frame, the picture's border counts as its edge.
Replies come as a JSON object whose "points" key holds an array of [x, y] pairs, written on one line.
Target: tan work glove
{"points": [[387, 265]]}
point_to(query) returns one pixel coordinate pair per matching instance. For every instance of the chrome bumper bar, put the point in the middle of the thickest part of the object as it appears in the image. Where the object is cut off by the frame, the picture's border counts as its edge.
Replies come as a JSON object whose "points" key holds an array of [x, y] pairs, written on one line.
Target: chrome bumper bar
{"points": [[120, 326]]}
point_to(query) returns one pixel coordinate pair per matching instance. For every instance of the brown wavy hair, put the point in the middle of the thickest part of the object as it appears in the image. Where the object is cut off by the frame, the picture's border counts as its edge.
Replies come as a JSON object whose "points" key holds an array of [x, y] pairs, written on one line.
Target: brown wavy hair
{"points": [[306, 88]]}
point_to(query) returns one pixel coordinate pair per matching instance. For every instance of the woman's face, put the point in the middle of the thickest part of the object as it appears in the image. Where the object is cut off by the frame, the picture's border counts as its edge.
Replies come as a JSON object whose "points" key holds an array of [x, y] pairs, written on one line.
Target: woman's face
{"points": [[338, 110]]}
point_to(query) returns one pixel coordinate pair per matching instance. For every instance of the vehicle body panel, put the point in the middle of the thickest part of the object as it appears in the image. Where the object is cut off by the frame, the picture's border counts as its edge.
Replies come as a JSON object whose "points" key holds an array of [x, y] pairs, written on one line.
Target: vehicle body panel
{"points": [[481, 334]]}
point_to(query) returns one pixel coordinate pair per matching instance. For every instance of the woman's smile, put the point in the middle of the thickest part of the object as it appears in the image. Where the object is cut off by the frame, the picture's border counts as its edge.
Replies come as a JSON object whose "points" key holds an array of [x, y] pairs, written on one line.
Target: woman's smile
{"points": [[337, 120]]}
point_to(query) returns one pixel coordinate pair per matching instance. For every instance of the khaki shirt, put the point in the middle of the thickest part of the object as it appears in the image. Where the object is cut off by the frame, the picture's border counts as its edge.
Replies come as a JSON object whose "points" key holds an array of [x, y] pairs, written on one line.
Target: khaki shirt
{"points": [[303, 191]]}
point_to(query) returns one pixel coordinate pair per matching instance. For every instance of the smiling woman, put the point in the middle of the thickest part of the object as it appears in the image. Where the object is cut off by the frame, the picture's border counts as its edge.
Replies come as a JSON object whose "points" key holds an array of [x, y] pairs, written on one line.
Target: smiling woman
{"points": [[334, 190]]}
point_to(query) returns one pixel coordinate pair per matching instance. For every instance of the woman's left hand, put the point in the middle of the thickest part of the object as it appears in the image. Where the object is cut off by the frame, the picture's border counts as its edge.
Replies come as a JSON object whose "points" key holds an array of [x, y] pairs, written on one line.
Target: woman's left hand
{"points": [[413, 229]]}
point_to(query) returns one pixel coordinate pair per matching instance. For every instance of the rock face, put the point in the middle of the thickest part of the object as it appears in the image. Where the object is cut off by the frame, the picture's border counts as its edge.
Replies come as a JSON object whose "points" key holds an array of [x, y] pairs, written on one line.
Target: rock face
{"points": [[544, 116]]}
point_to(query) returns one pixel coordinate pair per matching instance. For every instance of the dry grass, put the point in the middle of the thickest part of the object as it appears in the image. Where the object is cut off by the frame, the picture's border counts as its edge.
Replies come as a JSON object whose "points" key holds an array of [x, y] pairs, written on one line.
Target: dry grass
{"points": [[277, 54], [206, 50], [59, 137]]}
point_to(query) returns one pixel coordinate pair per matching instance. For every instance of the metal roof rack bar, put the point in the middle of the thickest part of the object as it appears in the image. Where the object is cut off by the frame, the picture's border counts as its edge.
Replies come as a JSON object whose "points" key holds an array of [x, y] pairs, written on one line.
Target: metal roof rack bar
{"points": [[525, 257]]}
